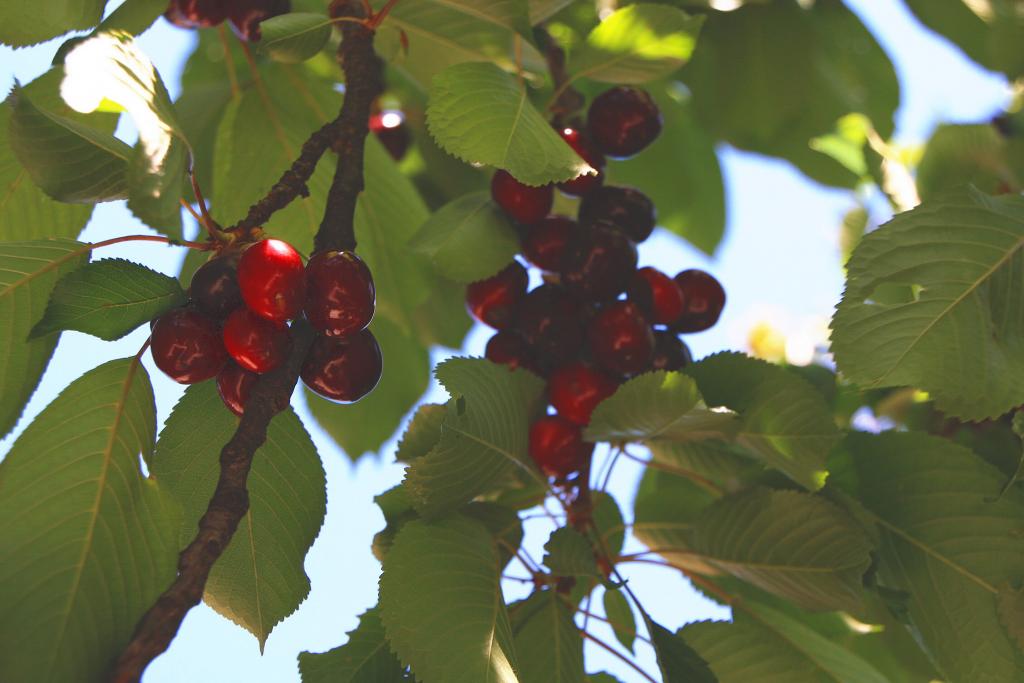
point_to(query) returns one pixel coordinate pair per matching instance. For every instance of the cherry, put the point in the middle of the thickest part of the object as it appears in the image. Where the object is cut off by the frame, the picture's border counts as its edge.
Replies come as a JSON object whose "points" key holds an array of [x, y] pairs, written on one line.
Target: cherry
{"points": [[214, 288], [550, 321], [622, 121], [524, 203], [575, 390], [343, 369], [390, 128], [493, 301], [599, 261], [670, 352], [257, 344], [628, 209], [272, 280], [507, 347], [620, 338], [246, 16], [544, 242], [557, 446], [703, 300], [186, 346], [578, 187], [196, 13], [234, 384], [341, 295], [657, 295]]}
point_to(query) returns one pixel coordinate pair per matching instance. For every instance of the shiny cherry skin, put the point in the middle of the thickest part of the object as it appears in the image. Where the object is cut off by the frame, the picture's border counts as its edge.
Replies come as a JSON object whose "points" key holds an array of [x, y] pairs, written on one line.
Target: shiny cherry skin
{"points": [[247, 15], [255, 343], [493, 301], [196, 13], [272, 279], [599, 261], [340, 296], [343, 369], [544, 242], [551, 322], [234, 384], [557, 446], [703, 300], [390, 128], [574, 390], [670, 352], [523, 203], [579, 187], [622, 121], [214, 287], [620, 339], [628, 209], [186, 345], [657, 295], [507, 347]]}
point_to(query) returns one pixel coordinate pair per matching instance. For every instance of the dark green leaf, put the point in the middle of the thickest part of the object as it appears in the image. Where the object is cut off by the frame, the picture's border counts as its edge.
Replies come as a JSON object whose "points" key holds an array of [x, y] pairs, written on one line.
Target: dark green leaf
{"points": [[679, 663], [620, 616], [989, 34], [27, 23], [665, 508], [549, 646], [294, 37], [423, 432], [365, 658], [568, 553], [959, 155], [133, 16]]}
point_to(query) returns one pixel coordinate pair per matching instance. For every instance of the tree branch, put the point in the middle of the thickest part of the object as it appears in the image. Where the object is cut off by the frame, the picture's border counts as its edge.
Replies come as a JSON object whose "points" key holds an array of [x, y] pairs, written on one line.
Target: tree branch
{"points": [[567, 101]]}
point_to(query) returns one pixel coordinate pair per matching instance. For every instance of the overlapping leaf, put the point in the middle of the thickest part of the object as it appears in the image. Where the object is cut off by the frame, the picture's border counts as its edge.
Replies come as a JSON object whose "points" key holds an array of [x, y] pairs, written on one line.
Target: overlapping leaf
{"points": [[989, 34], [620, 617], [568, 553], [423, 432], [365, 658], [678, 661], [27, 23], [294, 37], [550, 648], [961, 154]]}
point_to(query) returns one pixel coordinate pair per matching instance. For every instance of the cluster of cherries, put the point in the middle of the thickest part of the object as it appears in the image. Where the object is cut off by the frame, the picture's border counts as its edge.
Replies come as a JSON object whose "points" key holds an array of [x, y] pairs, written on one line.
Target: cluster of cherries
{"points": [[235, 325], [597, 319], [244, 16]]}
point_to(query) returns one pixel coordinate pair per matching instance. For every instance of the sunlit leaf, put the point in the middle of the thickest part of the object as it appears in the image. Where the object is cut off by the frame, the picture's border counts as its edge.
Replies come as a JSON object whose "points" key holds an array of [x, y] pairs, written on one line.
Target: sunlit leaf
{"points": [[365, 658]]}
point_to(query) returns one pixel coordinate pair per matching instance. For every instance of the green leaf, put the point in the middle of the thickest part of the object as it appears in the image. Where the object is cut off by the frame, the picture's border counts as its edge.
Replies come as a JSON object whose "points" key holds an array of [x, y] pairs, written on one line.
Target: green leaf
{"points": [[959, 155], [602, 677], [467, 239], [483, 436], [28, 273], [482, 115], [962, 336], [442, 606], [549, 646], [989, 34], [86, 543], [679, 663], [108, 299], [1010, 604], [423, 432], [636, 44], [294, 37], [620, 616], [28, 23], [608, 523], [542, 10], [364, 426], [568, 553], [950, 541], [365, 658], [259, 580], [665, 509], [133, 16]]}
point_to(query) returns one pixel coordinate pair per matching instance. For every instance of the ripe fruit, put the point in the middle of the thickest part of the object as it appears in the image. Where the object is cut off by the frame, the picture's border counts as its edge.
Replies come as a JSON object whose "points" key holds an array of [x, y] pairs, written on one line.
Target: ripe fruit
{"points": [[657, 295], [343, 369], [196, 13], [186, 345], [214, 288], [580, 186], [246, 15], [234, 384], [507, 347], [557, 446], [575, 390], [523, 203], [628, 209], [272, 280], [620, 338], [341, 295], [598, 262], [703, 300], [670, 352], [493, 301], [257, 344], [622, 121], [544, 242], [390, 128], [550, 321]]}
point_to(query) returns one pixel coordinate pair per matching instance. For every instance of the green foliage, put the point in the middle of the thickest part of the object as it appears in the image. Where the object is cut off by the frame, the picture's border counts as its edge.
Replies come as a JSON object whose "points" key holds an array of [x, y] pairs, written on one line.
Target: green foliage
{"points": [[423, 432], [294, 37], [549, 646], [568, 553], [24, 23], [959, 155], [677, 660], [133, 16], [365, 658], [990, 35], [620, 616]]}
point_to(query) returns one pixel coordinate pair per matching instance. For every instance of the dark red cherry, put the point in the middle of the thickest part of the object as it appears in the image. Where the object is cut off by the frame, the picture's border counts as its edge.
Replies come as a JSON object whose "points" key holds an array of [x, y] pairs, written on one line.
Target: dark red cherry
{"points": [[257, 344], [524, 203], [620, 338], [246, 16], [196, 13], [493, 301], [628, 209], [599, 261], [343, 369], [580, 186], [507, 347], [390, 128], [670, 352], [622, 121], [703, 300], [186, 345], [272, 279], [234, 384], [657, 295], [544, 242], [574, 390], [214, 288], [340, 293], [550, 321], [557, 446]]}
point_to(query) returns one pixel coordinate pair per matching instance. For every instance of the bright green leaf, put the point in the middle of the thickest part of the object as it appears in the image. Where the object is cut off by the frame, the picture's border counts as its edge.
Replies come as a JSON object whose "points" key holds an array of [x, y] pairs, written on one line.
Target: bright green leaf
{"points": [[294, 37], [620, 616], [959, 155], [27, 23], [365, 658], [423, 432], [133, 16], [568, 553], [679, 663], [549, 646]]}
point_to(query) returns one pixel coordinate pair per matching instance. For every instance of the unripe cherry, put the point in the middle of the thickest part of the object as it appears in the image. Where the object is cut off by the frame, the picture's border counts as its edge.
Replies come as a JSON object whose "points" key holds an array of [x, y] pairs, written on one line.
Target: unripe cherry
{"points": [[186, 345], [272, 279], [255, 343], [340, 293], [343, 369]]}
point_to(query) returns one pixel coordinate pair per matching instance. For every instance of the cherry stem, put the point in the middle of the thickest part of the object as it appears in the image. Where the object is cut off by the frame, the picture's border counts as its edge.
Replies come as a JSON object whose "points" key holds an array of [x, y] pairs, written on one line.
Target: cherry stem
{"points": [[566, 100], [200, 246], [192, 212], [608, 648], [207, 220], [379, 17]]}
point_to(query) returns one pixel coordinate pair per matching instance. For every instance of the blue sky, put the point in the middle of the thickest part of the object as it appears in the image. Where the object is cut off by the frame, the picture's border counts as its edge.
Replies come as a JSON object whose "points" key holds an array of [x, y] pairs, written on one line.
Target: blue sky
{"points": [[780, 260]]}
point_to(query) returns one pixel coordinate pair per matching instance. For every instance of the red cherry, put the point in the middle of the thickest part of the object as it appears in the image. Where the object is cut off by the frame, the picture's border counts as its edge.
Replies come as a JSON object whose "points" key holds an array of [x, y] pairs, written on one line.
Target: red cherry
{"points": [[551, 322], [670, 352], [657, 295], [214, 287], [703, 300], [257, 344], [524, 203], [584, 184], [246, 16], [575, 390], [622, 121], [340, 293], [629, 210], [186, 346], [196, 13], [343, 369], [557, 446], [272, 280], [507, 347], [390, 128], [544, 242], [599, 261], [620, 338], [234, 384], [493, 301]]}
